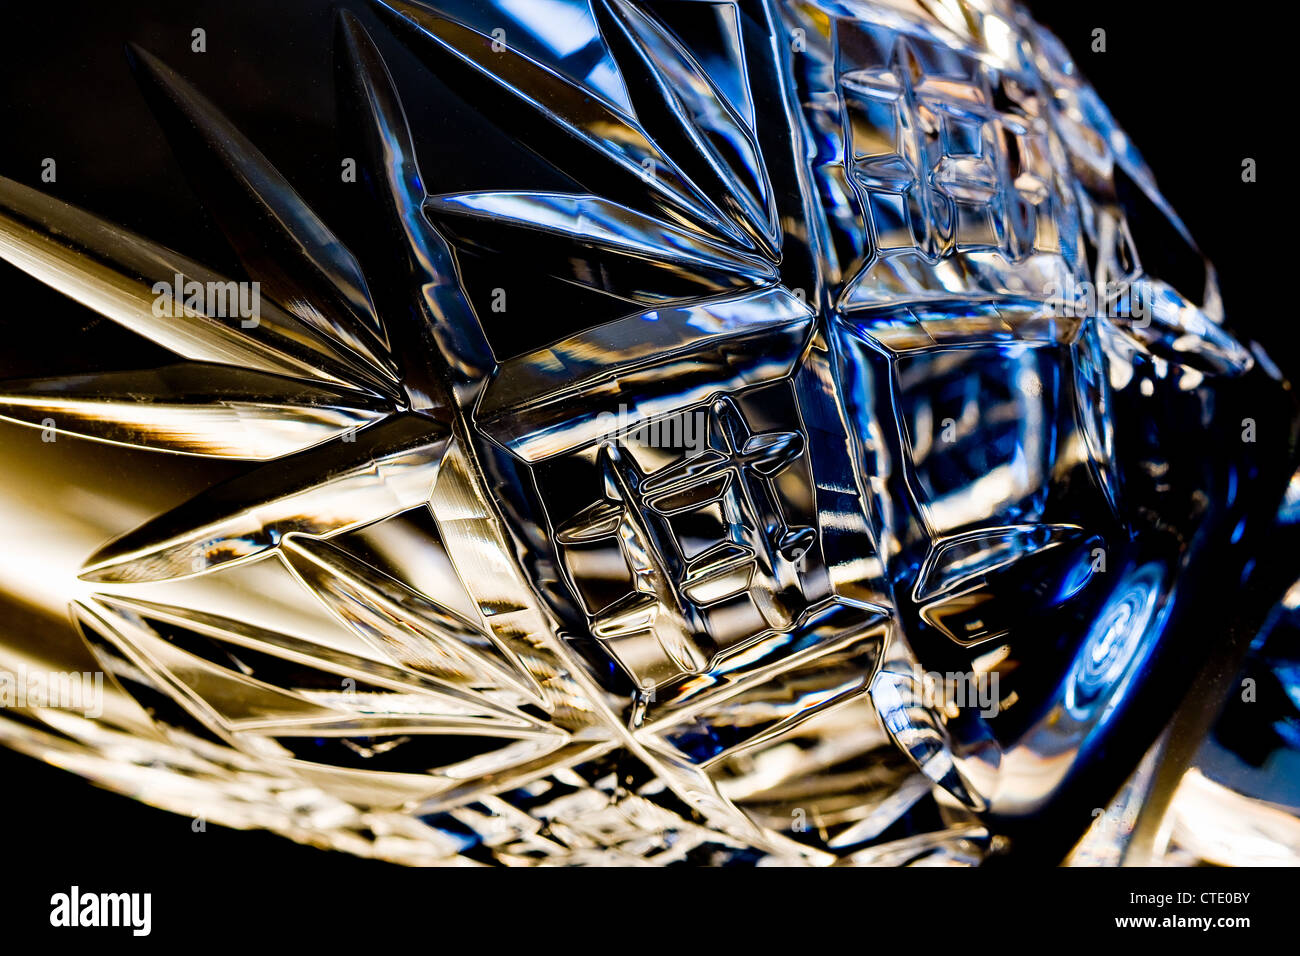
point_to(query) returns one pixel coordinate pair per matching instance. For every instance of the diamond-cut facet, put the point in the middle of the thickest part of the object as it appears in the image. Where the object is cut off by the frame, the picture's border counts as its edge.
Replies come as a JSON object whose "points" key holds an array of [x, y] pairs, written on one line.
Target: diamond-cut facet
{"points": [[835, 505]]}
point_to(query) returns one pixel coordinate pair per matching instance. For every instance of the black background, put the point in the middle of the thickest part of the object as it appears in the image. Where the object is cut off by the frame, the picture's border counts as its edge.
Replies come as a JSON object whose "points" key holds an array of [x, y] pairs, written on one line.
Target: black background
{"points": [[1198, 89]]}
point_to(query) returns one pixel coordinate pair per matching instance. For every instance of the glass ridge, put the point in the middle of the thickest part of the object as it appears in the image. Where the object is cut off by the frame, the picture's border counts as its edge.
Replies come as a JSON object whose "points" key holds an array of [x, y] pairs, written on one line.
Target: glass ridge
{"points": [[841, 508]]}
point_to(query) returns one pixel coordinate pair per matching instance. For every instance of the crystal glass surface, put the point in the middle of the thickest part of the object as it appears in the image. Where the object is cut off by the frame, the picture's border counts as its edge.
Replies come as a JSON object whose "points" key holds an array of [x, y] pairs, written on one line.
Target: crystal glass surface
{"points": [[787, 431]]}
